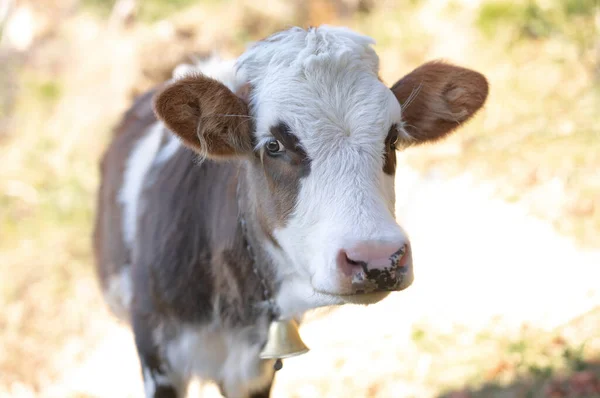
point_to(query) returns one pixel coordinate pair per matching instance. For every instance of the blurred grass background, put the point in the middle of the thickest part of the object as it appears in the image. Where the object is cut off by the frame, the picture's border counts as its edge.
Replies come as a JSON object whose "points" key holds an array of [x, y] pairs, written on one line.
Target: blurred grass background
{"points": [[68, 68]]}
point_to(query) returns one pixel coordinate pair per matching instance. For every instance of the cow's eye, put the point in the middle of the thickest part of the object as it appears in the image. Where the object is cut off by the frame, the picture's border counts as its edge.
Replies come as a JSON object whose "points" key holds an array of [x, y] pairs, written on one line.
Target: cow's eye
{"points": [[274, 147]]}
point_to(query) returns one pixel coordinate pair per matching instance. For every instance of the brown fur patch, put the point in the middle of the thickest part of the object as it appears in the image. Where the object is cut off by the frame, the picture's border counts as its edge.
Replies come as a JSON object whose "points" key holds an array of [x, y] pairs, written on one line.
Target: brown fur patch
{"points": [[207, 116], [279, 175], [437, 97]]}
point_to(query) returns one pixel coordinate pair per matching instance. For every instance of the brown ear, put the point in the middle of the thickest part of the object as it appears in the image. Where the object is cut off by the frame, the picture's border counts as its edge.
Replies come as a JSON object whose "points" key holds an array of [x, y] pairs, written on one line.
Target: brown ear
{"points": [[436, 98], [206, 115]]}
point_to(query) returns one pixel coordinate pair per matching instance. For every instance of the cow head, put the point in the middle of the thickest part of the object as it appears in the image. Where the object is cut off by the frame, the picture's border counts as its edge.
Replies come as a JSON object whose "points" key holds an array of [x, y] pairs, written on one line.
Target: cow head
{"points": [[319, 132]]}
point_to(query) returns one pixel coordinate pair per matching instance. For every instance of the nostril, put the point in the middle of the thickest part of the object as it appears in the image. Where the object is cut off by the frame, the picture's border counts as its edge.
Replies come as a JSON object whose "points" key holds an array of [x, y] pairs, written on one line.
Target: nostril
{"points": [[353, 262], [404, 256], [347, 265]]}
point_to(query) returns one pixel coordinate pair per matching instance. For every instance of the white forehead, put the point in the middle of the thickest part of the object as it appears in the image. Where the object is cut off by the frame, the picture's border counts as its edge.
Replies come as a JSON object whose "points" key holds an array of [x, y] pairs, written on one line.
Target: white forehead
{"points": [[322, 82]]}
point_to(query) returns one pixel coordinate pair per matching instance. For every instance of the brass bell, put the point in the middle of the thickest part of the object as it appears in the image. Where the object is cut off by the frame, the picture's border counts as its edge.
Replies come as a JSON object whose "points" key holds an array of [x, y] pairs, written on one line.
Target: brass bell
{"points": [[283, 341]]}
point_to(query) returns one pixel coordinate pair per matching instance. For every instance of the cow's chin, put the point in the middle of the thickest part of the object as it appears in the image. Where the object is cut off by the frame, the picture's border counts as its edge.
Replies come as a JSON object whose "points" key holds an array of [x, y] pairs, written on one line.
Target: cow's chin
{"points": [[366, 298], [363, 299]]}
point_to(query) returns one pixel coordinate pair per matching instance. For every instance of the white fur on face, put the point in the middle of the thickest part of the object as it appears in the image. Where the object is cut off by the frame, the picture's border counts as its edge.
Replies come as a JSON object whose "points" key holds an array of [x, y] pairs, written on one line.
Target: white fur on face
{"points": [[323, 83]]}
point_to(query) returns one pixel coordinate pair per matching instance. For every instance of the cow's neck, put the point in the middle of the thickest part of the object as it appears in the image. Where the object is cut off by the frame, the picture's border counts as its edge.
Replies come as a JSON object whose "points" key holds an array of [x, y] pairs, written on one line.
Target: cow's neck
{"points": [[283, 339], [291, 291], [255, 243]]}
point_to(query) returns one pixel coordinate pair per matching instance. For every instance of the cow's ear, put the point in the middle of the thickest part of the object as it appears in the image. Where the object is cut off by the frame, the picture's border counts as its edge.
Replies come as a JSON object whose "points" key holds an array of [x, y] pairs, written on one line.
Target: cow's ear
{"points": [[206, 115], [437, 97]]}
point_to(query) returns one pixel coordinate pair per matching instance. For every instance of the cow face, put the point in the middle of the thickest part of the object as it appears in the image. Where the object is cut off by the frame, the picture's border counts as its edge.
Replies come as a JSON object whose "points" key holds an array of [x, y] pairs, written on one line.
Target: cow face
{"points": [[320, 131]]}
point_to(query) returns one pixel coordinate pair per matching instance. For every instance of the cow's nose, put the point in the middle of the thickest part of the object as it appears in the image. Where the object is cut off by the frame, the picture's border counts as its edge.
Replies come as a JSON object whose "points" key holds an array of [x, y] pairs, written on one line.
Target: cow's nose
{"points": [[374, 266]]}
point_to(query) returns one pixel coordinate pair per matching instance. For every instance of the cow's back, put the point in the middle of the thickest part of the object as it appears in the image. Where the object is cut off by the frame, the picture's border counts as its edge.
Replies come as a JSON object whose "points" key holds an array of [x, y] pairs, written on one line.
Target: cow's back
{"points": [[112, 254]]}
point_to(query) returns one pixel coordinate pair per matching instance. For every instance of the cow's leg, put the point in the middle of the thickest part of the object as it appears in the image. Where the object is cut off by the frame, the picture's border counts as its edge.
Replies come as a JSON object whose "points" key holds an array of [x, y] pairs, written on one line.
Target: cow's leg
{"points": [[264, 393], [160, 384], [160, 381]]}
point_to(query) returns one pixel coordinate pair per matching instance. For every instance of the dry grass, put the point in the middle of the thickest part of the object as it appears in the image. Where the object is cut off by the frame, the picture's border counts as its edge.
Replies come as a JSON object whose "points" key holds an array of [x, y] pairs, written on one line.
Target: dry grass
{"points": [[537, 140]]}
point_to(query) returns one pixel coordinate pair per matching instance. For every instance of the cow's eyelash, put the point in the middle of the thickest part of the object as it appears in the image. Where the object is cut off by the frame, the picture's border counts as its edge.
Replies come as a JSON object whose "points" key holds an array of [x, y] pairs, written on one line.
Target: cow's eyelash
{"points": [[262, 142]]}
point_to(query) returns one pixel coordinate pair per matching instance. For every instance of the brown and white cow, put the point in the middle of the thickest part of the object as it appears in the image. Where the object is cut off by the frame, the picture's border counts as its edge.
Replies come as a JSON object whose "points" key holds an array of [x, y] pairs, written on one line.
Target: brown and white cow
{"points": [[289, 207]]}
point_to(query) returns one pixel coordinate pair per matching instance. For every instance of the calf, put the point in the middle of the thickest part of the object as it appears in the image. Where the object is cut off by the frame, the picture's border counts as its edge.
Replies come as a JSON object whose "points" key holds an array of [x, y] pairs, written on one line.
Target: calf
{"points": [[257, 190]]}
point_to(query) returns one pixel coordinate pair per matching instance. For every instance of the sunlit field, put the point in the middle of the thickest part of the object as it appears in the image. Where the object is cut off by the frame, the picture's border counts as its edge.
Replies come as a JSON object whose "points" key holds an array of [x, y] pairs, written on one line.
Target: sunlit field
{"points": [[504, 215]]}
